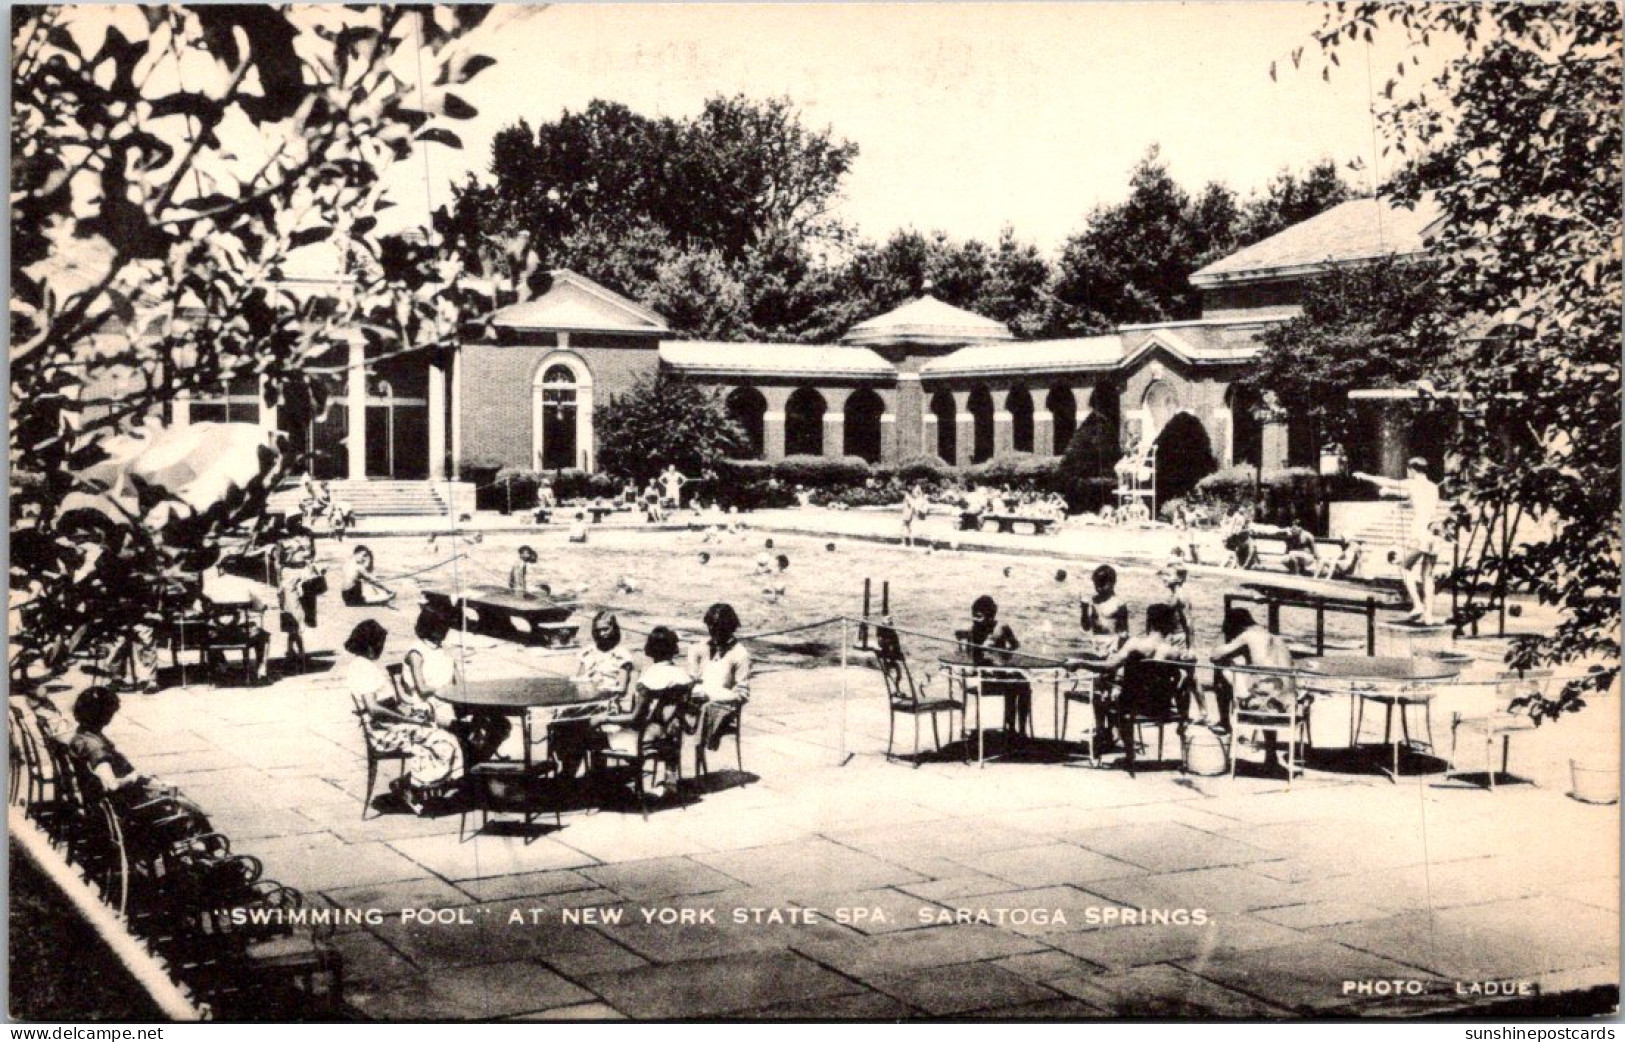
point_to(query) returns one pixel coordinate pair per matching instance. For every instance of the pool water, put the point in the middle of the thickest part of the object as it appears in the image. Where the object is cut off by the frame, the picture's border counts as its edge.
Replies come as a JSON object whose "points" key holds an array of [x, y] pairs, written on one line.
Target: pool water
{"points": [[929, 592]]}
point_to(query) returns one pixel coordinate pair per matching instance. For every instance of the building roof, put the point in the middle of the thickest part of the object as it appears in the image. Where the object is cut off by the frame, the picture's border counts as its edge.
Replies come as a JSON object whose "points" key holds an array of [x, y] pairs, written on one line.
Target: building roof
{"points": [[1028, 356], [926, 320], [1199, 343], [575, 303], [718, 358], [1357, 230]]}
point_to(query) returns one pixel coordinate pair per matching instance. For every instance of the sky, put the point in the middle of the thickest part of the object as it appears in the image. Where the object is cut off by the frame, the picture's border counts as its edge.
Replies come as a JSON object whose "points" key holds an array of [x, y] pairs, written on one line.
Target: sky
{"points": [[968, 117]]}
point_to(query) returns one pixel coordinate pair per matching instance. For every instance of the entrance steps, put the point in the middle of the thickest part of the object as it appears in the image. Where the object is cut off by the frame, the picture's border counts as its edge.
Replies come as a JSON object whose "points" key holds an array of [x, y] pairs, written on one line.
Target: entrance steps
{"points": [[381, 498]]}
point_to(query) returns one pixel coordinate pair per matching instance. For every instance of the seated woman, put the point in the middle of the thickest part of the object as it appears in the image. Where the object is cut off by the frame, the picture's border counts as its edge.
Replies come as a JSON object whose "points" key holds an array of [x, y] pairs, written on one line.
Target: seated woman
{"points": [[722, 667], [988, 637], [621, 733], [1160, 642], [431, 670], [400, 723], [1343, 565], [93, 710], [607, 670], [361, 587], [1247, 643]]}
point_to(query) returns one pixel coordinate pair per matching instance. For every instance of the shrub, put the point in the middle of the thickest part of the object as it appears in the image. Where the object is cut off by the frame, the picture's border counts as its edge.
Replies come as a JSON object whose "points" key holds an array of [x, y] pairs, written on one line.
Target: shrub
{"points": [[1020, 470], [927, 469], [1084, 474], [822, 471], [1279, 497]]}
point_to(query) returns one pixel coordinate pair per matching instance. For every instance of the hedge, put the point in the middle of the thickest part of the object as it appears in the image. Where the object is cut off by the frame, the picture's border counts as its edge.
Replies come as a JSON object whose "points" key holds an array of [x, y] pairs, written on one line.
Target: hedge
{"points": [[515, 487], [1278, 497]]}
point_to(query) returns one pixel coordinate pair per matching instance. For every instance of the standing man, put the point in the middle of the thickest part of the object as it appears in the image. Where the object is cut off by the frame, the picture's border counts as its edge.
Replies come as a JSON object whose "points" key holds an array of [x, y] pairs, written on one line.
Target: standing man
{"points": [[1423, 552], [673, 480]]}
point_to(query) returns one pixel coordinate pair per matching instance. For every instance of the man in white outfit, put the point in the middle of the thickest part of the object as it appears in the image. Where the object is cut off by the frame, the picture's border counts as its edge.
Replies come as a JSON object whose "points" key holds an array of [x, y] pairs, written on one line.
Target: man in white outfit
{"points": [[1425, 536]]}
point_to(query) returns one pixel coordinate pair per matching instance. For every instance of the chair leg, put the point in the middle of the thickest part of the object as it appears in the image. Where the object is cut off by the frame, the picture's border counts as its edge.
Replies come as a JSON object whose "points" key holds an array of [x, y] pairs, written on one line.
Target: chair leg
{"points": [[916, 740], [936, 736], [739, 751], [372, 779], [891, 731]]}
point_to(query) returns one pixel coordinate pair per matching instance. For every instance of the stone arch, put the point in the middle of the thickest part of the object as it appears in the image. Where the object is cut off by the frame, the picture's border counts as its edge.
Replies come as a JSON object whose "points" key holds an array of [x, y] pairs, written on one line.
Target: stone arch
{"points": [[862, 424], [1018, 402], [1063, 410], [942, 407], [804, 423], [748, 408], [1184, 456], [980, 408], [1159, 403]]}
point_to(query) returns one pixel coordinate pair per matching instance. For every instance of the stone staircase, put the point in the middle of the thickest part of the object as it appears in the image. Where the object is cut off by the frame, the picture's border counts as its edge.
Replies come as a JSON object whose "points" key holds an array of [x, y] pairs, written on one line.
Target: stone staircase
{"points": [[1384, 530], [378, 498]]}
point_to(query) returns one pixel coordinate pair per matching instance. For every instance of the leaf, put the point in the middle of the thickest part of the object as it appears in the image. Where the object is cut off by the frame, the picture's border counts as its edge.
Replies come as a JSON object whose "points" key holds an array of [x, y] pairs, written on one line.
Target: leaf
{"points": [[439, 136], [456, 108]]}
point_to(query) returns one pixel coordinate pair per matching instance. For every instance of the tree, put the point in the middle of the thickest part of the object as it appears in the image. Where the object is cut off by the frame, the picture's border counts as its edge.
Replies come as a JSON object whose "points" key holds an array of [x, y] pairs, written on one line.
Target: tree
{"points": [[1132, 261], [1289, 199], [664, 421], [166, 161], [1008, 280], [1518, 138], [1377, 325]]}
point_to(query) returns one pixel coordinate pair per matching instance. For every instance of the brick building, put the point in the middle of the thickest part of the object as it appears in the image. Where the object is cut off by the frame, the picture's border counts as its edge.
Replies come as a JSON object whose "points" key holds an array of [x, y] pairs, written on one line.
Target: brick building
{"points": [[926, 378]]}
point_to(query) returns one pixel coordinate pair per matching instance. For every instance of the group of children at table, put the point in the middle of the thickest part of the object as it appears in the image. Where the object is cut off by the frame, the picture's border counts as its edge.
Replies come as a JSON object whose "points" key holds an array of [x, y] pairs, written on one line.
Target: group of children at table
{"points": [[1168, 637], [416, 717]]}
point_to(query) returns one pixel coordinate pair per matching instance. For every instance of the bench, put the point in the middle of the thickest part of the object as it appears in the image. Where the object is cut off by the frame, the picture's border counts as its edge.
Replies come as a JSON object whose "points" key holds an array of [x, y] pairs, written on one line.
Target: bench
{"points": [[1272, 548], [970, 521], [493, 611], [1008, 522]]}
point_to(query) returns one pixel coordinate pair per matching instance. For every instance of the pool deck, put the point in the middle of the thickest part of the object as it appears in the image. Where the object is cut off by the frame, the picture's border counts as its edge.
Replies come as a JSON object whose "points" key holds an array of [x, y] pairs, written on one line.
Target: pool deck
{"points": [[942, 890]]}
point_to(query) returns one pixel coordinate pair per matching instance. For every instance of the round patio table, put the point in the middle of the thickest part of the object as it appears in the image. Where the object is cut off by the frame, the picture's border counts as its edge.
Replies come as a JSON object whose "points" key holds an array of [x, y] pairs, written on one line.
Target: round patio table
{"points": [[1393, 683], [566, 699], [967, 670]]}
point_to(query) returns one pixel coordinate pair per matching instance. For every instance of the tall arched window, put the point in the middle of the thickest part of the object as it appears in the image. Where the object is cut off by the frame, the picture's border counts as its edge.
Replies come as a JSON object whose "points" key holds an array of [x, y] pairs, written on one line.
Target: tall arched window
{"points": [[804, 423], [980, 408], [942, 407], [748, 408], [862, 427], [562, 414]]}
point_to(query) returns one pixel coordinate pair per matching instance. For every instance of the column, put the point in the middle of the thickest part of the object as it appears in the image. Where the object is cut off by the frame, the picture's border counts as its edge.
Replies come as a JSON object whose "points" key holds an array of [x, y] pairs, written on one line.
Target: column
{"points": [[1273, 451], [928, 434], [1004, 437], [437, 422], [834, 421], [773, 422], [180, 409], [456, 413], [908, 425], [888, 425], [356, 411], [964, 430], [1044, 431], [1224, 436]]}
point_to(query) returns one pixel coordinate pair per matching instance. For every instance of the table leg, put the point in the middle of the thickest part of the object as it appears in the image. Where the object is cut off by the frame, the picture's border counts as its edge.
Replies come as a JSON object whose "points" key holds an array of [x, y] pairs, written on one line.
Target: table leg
{"points": [[524, 724]]}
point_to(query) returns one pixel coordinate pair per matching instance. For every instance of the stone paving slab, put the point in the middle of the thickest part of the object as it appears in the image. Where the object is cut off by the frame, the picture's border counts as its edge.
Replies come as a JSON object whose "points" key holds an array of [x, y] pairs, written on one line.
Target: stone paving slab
{"points": [[1161, 991], [868, 957], [808, 863], [1168, 846], [319, 861], [951, 990], [1048, 865], [1123, 947], [481, 856], [713, 987], [659, 877], [1303, 977]]}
